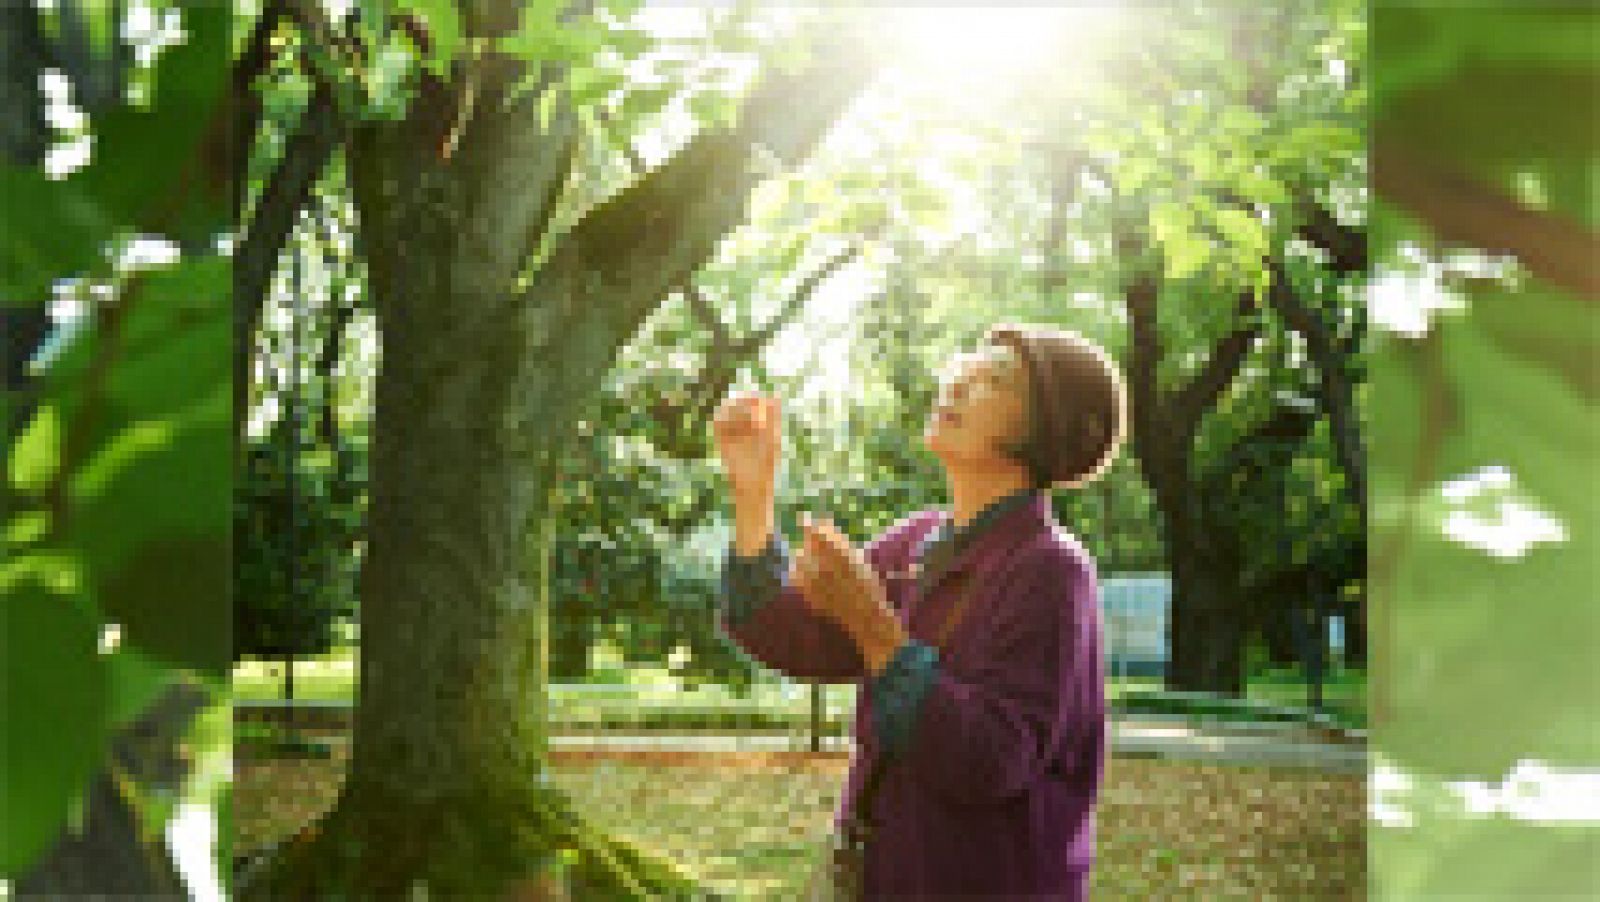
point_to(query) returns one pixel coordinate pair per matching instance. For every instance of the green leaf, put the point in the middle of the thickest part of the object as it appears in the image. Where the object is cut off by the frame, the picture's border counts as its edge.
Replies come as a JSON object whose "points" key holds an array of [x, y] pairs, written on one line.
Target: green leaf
{"points": [[622, 9], [176, 344], [53, 695], [444, 32], [26, 527], [1261, 188], [171, 597], [547, 105], [36, 455], [136, 679], [588, 84], [1170, 222], [641, 104], [152, 516], [630, 43], [48, 230], [1240, 228]]}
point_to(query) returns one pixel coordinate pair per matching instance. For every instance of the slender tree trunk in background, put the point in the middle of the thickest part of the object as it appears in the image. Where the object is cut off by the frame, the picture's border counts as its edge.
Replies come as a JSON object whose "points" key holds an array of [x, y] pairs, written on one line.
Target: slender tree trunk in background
{"points": [[1355, 633]]}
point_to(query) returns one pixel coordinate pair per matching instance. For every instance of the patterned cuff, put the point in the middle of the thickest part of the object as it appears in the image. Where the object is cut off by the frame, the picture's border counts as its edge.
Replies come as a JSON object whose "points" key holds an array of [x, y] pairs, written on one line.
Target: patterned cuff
{"points": [[750, 582], [898, 690]]}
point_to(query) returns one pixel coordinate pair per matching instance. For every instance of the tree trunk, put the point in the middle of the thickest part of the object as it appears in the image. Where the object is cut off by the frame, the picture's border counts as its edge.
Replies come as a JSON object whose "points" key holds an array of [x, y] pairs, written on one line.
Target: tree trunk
{"points": [[475, 391], [1205, 622], [1271, 619], [481, 380], [1355, 632]]}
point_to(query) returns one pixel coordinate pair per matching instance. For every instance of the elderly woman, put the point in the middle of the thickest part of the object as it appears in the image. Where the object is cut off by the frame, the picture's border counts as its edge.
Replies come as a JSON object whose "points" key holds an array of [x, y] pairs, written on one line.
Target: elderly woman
{"points": [[998, 734]]}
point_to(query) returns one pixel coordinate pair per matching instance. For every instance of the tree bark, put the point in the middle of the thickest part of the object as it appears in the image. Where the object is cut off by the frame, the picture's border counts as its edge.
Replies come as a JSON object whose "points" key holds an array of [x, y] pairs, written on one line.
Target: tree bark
{"points": [[1206, 634], [1336, 388], [479, 387], [1206, 629]]}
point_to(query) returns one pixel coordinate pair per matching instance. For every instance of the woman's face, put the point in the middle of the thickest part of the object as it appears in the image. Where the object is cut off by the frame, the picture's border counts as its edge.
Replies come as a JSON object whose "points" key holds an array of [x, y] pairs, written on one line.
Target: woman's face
{"points": [[982, 402]]}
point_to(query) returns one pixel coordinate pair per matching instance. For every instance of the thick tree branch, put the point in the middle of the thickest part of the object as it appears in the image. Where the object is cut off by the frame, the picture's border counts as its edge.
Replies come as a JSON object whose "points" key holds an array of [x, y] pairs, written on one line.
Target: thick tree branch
{"points": [[705, 313], [1346, 246], [796, 302], [1263, 448], [1147, 405], [1335, 389], [1467, 211], [652, 235], [1191, 402], [246, 103], [709, 391]]}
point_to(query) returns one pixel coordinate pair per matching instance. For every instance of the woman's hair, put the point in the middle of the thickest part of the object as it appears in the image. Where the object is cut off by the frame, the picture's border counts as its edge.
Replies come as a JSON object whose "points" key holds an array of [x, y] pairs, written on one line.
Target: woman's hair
{"points": [[1077, 404]]}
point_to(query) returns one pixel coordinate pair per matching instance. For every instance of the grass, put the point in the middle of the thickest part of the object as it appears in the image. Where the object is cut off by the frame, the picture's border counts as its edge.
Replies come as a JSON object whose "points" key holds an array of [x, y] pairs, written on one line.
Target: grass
{"points": [[1344, 691], [331, 678], [1165, 829], [775, 707]]}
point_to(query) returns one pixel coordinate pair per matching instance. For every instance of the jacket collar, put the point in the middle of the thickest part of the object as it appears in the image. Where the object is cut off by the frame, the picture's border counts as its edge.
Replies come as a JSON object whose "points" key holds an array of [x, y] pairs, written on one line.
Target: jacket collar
{"points": [[1000, 526]]}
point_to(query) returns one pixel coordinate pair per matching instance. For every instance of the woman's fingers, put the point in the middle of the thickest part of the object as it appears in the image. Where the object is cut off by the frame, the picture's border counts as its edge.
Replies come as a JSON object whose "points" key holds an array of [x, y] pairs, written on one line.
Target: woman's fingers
{"points": [[835, 546], [817, 543], [836, 572]]}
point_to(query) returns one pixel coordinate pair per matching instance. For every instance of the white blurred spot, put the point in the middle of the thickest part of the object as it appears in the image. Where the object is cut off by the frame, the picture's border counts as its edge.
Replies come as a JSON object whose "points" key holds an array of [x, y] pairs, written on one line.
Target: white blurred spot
{"points": [[1490, 515], [1492, 477], [1405, 302], [1403, 298], [110, 637], [1337, 69], [1385, 783], [678, 657], [1530, 189], [65, 117], [1535, 791], [192, 835], [61, 160], [68, 305], [146, 34], [145, 252], [53, 84], [263, 416]]}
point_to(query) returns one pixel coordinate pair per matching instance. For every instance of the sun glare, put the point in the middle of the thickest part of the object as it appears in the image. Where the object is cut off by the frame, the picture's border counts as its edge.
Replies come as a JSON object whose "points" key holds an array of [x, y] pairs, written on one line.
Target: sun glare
{"points": [[972, 45]]}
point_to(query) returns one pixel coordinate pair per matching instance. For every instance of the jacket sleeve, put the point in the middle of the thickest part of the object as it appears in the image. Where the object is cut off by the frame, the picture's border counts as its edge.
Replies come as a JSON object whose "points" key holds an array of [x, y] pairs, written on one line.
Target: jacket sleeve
{"points": [[769, 618], [983, 734]]}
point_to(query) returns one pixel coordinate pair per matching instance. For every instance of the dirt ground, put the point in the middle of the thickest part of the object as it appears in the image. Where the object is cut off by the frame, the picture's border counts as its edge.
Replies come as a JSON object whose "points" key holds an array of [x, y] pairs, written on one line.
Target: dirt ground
{"points": [[744, 822]]}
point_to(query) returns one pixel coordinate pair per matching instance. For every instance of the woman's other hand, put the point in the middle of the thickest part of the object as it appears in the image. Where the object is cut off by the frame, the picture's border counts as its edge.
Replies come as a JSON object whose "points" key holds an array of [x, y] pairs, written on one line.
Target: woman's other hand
{"points": [[838, 581]]}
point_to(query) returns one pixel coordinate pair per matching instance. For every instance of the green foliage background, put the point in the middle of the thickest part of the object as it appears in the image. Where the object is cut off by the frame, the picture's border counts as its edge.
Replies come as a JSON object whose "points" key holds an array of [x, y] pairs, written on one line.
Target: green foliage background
{"points": [[1484, 687]]}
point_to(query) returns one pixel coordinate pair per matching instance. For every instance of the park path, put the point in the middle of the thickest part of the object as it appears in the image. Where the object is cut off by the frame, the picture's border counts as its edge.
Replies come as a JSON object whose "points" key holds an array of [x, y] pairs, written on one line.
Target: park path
{"points": [[1147, 740], [1143, 736]]}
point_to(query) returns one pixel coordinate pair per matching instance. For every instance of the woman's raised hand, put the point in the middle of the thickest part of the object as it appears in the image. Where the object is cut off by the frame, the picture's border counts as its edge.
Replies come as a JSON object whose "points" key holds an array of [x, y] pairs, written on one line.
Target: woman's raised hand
{"points": [[747, 428]]}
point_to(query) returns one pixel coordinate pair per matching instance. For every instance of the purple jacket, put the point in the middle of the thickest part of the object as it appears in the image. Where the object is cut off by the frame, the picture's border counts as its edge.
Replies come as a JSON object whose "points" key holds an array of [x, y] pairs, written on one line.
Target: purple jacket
{"points": [[1001, 748]]}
